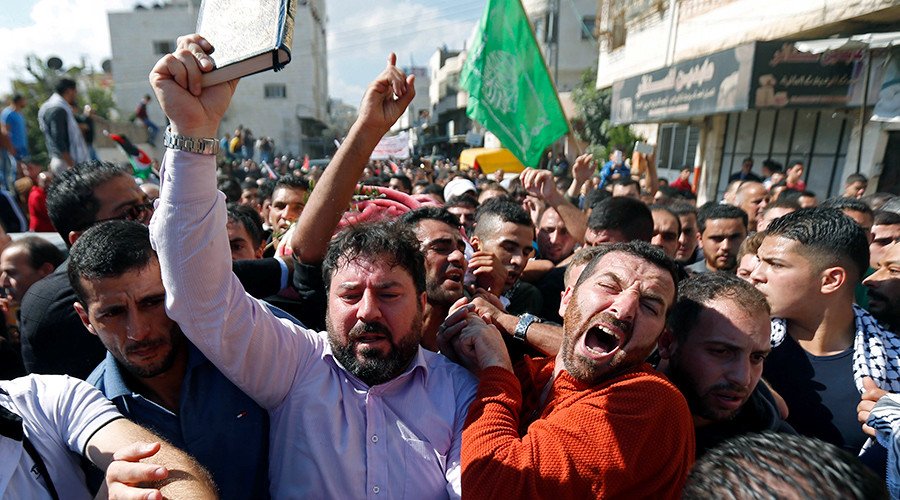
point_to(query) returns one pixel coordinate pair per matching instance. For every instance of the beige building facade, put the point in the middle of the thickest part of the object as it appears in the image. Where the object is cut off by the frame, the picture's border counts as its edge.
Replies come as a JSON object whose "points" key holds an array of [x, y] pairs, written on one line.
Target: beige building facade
{"points": [[713, 82]]}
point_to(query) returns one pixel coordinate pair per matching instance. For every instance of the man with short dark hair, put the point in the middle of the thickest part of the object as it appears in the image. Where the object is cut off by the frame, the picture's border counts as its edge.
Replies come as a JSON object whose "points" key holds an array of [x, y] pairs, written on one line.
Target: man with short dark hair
{"points": [[885, 231], [807, 199], [781, 206], [855, 186], [554, 241], [360, 409], [245, 232], [142, 115], [745, 173], [856, 209], [713, 350], [824, 347], [54, 341], [884, 288], [627, 187], [445, 265], [579, 425], [689, 238], [619, 219], [666, 230], [400, 182], [504, 229], [12, 123], [722, 230], [288, 199], [153, 375], [25, 261], [65, 143], [464, 207]]}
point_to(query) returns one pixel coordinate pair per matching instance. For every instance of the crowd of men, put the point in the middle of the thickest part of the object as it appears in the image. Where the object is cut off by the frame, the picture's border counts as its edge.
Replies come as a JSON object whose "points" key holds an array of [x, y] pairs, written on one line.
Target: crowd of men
{"points": [[366, 331]]}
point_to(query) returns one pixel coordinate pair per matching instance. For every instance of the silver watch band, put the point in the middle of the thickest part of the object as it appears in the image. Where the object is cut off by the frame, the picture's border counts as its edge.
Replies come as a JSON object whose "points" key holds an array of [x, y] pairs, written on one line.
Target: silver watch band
{"points": [[203, 146]]}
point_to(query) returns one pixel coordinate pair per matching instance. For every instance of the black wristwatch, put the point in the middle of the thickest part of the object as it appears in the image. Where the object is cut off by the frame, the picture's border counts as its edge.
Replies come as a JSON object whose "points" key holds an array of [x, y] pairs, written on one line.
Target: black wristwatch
{"points": [[525, 320]]}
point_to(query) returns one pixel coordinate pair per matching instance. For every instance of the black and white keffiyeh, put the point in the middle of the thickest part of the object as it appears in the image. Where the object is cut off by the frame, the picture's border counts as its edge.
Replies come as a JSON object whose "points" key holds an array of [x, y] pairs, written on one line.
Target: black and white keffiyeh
{"points": [[885, 419], [876, 351]]}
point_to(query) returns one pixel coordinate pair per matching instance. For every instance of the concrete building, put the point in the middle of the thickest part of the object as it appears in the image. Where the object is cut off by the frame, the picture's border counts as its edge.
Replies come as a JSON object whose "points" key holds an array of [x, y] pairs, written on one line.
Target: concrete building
{"points": [[714, 81], [290, 106], [565, 32], [447, 120]]}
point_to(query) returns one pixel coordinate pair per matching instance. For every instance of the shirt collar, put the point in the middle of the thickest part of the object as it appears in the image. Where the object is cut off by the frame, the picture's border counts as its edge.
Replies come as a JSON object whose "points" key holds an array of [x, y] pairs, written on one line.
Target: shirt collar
{"points": [[114, 379]]}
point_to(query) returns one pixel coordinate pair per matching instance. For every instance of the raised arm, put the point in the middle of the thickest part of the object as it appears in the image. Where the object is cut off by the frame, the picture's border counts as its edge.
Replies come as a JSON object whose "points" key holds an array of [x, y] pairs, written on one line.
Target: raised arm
{"points": [[385, 100], [540, 183]]}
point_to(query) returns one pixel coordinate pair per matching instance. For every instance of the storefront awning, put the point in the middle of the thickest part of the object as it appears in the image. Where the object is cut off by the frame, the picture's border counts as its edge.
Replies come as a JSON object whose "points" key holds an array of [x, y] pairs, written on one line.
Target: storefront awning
{"points": [[490, 160], [757, 75]]}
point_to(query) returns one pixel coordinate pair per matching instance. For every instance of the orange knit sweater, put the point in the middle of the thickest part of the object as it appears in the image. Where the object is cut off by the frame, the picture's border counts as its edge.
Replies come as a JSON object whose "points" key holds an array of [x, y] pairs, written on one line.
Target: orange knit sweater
{"points": [[629, 437]]}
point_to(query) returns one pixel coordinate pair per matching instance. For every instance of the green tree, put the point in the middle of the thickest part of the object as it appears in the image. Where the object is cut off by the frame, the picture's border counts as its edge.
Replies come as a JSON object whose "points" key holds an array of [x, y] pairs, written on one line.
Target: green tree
{"points": [[40, 86], [593, 123]]}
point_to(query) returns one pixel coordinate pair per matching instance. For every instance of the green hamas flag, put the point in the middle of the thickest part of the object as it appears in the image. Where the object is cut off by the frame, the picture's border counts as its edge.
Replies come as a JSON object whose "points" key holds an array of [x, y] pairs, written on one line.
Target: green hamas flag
{"points": [[510, 92]]}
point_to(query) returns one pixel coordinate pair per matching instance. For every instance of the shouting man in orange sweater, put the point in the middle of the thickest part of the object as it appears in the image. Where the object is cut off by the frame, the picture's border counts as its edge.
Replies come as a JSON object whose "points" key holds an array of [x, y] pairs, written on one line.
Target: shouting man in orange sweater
{"points": [[596, 421]]}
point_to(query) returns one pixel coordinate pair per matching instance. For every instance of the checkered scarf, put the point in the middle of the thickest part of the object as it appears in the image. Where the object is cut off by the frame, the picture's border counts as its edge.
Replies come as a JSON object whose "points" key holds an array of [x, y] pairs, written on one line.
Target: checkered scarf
{"points": [[885, 419], [876, 351]]}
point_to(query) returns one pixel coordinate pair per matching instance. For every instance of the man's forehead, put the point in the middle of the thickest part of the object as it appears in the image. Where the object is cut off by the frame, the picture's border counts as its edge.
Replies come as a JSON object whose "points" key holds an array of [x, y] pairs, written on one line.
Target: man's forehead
{"points": [[632, 268], [512, 232], [359, 267], [432, 229], [551, 217], [778, 246], [285, 191], [724, 226], [726, 321]]}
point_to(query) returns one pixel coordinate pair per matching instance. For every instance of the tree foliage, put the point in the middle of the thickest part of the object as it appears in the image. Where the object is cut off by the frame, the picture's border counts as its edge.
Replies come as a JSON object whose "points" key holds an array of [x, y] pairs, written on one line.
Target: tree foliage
{"points": [[39, 87], [593, 124]]}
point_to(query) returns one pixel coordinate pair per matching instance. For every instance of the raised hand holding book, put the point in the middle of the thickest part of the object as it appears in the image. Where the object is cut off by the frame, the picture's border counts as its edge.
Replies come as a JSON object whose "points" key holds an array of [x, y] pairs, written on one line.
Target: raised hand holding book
{"points": [[249, 36]]}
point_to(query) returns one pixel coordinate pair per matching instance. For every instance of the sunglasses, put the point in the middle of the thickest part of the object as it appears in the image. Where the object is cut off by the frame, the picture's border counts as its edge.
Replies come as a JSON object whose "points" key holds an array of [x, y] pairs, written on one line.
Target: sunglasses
{"points": [[140, 212]]}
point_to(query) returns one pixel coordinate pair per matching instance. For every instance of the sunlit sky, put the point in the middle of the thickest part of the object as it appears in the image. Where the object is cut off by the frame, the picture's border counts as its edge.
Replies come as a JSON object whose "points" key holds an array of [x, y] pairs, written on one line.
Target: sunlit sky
{"points": [[360, 35]]}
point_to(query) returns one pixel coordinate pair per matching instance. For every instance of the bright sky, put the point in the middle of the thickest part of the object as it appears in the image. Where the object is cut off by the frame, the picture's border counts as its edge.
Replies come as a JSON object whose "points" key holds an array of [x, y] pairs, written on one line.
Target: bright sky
{"points": [[360, 35]]}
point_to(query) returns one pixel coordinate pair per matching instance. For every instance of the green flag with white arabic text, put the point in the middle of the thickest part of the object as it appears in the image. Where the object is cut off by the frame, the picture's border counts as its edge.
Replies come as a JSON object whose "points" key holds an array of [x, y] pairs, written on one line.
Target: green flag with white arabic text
{"points": [[510, 92]]}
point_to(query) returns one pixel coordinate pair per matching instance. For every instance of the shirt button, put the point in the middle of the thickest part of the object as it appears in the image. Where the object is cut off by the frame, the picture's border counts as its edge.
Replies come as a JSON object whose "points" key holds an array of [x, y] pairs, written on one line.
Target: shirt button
{"points": [[375, 489], [375, 440]]}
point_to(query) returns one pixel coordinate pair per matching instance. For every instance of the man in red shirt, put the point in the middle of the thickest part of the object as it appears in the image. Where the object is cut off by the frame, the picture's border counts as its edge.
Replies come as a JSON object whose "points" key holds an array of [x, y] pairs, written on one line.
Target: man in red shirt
{"points": [[596, 421]]}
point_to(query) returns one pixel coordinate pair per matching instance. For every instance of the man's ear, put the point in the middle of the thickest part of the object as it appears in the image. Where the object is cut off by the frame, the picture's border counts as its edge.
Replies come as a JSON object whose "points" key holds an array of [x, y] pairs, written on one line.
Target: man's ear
{"points": [[475, 242], [564, 299], [73, 236], [45, 269], [667, 344], [83, 314], [833, 279], [260, 250]]}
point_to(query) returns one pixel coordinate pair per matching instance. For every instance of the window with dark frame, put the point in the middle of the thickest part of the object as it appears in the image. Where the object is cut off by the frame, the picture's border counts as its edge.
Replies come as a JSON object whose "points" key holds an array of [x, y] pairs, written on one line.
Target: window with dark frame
{"points": [[163, 47], [275, 91]]}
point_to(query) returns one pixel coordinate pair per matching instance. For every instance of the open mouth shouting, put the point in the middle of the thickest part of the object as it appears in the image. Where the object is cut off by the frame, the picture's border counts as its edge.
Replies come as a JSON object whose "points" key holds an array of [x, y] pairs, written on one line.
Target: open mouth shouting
{"points": [[605, 338]]}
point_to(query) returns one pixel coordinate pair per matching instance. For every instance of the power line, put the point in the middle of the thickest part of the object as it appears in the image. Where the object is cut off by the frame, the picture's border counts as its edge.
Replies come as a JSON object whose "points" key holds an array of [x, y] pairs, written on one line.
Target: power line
{"points": [[384, 37], [393, 24]]}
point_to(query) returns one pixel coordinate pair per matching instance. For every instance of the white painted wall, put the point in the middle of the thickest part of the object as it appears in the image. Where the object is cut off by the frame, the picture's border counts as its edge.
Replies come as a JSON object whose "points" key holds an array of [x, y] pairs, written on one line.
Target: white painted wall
{"points": [[133, 32]]}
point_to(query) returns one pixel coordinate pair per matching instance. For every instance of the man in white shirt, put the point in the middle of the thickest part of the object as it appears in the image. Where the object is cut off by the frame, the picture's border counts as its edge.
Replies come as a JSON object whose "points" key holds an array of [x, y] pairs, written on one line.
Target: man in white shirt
{"points": [[48, 422], [360, 410]]}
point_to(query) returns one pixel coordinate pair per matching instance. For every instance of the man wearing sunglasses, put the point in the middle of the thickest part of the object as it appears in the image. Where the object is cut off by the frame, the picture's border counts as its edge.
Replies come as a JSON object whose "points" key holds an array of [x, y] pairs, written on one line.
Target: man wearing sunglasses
{"points": [[54, 341]]}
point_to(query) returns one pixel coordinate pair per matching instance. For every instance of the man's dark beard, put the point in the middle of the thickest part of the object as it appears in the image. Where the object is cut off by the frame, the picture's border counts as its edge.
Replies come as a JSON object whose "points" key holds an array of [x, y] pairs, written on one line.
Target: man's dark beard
{"points": [[687, 386], [438, 296], [375, 368]]}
